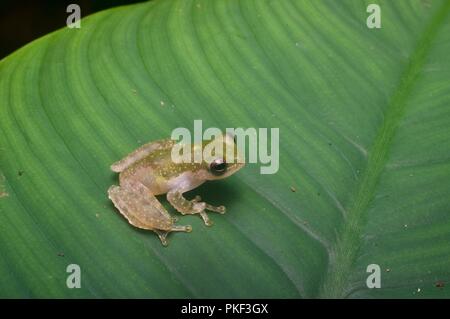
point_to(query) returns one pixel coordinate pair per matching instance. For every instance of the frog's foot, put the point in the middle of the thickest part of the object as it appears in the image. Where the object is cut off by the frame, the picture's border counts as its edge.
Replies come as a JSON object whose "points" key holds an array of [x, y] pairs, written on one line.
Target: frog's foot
{"points": [[162, 234], [218, 209], [194, 206], [201, 207]]}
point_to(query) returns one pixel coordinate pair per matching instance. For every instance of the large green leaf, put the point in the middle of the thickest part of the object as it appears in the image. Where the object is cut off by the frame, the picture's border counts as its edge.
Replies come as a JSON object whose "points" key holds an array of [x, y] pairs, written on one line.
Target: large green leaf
{"points": [[364, 118]]}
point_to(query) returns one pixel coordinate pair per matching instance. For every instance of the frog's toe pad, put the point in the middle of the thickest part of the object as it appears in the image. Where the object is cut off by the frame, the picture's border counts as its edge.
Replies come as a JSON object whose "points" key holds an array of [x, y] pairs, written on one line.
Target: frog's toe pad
{"points": [[221, 209]]}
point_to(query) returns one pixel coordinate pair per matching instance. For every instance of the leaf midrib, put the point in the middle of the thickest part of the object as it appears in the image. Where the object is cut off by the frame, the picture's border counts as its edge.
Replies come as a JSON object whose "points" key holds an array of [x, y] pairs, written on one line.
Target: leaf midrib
{"points": [[349, 237]]}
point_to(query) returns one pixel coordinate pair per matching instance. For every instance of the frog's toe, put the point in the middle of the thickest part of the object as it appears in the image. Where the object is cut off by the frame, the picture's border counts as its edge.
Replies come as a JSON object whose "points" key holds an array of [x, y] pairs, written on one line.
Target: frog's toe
{"points": [[218, 209], [162, 236], [206, 219], [187, 228]]}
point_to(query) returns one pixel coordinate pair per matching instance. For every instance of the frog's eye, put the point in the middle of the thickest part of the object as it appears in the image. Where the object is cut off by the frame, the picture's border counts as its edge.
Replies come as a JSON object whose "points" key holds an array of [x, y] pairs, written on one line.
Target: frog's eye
{"points": [[218, 166]]}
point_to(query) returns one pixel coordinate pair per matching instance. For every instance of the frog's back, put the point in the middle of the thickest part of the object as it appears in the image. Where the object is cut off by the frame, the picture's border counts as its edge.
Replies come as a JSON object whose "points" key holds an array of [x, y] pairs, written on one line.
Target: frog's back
{"points": [[142, 152]]}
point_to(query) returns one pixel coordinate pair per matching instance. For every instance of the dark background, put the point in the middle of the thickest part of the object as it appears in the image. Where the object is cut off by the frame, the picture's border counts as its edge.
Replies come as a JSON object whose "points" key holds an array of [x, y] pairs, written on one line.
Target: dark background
{"points": [[22, 21]]}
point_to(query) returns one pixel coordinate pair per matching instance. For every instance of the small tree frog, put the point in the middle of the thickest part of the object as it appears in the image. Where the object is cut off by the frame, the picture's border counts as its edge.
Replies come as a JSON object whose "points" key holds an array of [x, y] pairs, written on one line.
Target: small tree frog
{"points": [[150, 171]]}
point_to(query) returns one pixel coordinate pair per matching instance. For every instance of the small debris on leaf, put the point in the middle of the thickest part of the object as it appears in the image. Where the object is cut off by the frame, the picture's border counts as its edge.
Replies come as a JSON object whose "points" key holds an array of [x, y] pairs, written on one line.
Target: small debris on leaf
{"points": [[439, 284], [61, 254], [293, 189]]}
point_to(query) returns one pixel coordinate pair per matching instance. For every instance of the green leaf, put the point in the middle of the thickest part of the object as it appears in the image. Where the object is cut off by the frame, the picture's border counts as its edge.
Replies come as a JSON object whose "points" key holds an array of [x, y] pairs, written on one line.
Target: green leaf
{"points": [[364, 175]]}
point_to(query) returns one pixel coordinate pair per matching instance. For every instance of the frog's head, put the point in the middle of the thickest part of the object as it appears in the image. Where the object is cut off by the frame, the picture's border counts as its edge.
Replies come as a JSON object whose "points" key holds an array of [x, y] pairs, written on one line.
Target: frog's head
{"points": [[225, 158]]}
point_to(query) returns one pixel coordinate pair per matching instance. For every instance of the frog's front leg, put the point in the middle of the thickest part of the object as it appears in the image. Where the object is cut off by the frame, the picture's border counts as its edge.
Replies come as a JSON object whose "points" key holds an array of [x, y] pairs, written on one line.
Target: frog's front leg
{"points": [[194, 206]]}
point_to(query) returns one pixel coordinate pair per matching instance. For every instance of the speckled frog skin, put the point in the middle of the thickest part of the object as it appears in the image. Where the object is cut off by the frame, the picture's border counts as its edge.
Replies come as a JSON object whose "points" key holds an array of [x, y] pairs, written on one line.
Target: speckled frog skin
{"points": [[150, 171]]}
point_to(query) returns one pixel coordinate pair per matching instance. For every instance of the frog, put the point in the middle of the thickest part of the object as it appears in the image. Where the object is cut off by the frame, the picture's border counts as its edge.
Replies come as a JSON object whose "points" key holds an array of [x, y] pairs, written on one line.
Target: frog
{"points": [[150, 171]]}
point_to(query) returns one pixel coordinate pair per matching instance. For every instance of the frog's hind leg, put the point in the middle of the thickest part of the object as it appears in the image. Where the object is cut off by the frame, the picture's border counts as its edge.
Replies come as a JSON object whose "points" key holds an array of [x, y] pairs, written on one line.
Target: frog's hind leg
{"points": [[143, 210]]}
